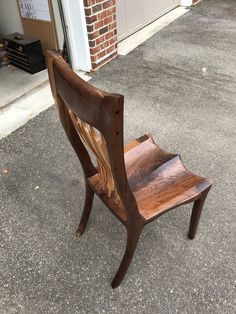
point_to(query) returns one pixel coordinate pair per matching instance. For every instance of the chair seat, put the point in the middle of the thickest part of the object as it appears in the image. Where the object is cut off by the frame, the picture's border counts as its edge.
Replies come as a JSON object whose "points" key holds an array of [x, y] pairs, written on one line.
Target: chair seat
{"points": [[166, 187], [158, 179]]}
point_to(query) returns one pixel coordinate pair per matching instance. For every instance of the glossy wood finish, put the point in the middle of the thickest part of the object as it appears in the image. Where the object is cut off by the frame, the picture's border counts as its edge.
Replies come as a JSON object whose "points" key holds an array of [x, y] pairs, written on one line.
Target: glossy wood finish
{"points": [[138, 182], [87, 210], [97, 144]]}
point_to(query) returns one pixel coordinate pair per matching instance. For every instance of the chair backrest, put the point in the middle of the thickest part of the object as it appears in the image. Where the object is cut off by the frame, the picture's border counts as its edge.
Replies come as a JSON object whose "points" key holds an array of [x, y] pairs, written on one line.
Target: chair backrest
{"points": [[93, 118]]}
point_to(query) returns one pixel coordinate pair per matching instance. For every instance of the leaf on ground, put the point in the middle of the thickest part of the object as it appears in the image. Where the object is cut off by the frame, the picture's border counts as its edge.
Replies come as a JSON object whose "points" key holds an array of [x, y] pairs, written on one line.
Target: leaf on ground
{"points": [[204, 71]]}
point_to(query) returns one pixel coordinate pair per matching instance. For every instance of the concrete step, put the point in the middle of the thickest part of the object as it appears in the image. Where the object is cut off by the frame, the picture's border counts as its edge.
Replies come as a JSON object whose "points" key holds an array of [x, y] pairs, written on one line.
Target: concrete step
{"points": [[16, 83], [27, 107]]}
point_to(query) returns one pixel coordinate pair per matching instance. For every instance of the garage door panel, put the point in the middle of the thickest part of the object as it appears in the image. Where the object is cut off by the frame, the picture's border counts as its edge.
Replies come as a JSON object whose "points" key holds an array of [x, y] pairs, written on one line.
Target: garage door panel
{"points": [[132, 15], [121, 18], [152, 9], [129, 16]]}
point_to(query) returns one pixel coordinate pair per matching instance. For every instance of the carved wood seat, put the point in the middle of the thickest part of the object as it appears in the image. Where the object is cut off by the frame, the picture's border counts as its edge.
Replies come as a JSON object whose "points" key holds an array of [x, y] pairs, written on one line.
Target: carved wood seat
{"points": [[137, 182]]}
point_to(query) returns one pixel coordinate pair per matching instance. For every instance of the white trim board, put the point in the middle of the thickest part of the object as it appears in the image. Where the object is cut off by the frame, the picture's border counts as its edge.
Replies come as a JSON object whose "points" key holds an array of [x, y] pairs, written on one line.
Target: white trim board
{"points": [[133, 41], [77, 34], [186, 3]]}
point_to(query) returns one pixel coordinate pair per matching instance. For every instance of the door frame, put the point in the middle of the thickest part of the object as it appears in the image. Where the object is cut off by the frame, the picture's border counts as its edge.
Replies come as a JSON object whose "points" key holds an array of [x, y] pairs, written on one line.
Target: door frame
{"points": [[76, 29]]}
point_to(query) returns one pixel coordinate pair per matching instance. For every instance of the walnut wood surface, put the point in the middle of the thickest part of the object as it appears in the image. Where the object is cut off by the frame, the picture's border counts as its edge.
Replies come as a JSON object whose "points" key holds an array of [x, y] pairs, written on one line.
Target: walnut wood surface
{"points": [[97, 144], [138, 182]]}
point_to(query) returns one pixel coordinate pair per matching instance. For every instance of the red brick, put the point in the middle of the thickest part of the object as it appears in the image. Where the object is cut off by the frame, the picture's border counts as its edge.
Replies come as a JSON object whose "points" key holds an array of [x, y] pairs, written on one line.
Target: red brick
{"points": [[90, 28], [110, 49], [106, 4], [100, 40], [101, 15], [99, 24], [101, 27], [88, 3], [95, 50], [103, 30], [112, 11], [108, 20], [112, 26], [112, 40], [92, 43], [95, 66], [91, 19], [104, 13], [88, 12], [101, 54], [104, 45], [97, 8], [93, 35], [109, 35], [93, 58], [106, 60]]}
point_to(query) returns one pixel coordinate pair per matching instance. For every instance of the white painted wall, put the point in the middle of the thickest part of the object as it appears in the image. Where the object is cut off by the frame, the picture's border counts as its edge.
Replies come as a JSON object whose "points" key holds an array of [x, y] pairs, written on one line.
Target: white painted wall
{"points": [[10, 21]]}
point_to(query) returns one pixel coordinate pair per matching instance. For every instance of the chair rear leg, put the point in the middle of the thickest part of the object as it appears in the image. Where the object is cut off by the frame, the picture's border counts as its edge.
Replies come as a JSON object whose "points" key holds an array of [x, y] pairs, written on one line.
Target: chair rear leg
{"points": [[87, 210], [196, 214], [132, 241]]}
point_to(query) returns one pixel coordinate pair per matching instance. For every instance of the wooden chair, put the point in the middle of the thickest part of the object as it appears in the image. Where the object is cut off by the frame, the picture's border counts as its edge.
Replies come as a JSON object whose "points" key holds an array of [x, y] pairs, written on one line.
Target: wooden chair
{"points": [[138, 182]]}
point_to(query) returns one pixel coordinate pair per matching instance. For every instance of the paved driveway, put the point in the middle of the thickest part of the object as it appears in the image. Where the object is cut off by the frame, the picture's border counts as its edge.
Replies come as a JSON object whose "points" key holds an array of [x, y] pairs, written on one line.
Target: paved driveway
{"points": [[181, 86]]}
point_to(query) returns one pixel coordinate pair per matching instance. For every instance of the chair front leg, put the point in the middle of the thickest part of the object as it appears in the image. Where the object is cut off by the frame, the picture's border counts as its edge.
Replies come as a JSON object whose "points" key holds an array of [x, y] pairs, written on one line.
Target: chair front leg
{"points": [[133, 235], [196, 214], [87, 210]]}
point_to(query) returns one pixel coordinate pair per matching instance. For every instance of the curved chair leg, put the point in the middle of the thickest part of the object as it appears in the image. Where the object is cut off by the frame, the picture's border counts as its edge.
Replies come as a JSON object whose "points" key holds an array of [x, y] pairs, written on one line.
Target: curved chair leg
{"points": [[196, 213], [132, 241], [87, 210]]}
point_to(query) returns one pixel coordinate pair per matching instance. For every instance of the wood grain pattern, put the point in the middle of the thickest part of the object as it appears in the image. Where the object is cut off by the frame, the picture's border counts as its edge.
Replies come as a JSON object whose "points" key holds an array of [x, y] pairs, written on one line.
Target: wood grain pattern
{"points": [[96, 142], [137, 182]]}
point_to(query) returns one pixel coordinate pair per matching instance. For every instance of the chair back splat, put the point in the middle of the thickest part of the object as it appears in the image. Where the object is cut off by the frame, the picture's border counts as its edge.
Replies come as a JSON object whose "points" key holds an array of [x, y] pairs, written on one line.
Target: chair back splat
{"points": [[93, 119], [138, 182]]}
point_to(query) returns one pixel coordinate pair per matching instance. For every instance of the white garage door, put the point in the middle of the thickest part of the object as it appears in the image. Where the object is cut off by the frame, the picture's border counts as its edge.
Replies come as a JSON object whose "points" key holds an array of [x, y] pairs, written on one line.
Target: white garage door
{"points": [[135, 14]]}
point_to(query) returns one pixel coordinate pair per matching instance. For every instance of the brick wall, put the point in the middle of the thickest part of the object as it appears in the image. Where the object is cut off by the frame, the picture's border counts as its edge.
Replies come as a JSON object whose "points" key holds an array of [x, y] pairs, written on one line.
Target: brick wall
{"points": [[102, 32]]}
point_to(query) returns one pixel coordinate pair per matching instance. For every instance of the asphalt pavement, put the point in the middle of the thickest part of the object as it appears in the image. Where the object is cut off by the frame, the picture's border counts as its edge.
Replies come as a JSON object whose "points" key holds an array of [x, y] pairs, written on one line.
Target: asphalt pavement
{"points": [[180, 86]]}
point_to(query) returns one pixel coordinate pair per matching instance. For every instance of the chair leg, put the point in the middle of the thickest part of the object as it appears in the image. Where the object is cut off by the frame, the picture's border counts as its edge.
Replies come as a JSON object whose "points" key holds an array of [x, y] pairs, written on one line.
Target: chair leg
{"points": [[87, 210], [196, 213], [132, 241]]}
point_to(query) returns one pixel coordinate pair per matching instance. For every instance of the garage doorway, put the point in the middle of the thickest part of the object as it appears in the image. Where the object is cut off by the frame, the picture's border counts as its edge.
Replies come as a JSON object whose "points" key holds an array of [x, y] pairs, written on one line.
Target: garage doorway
{"points": [[133, 15]]}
